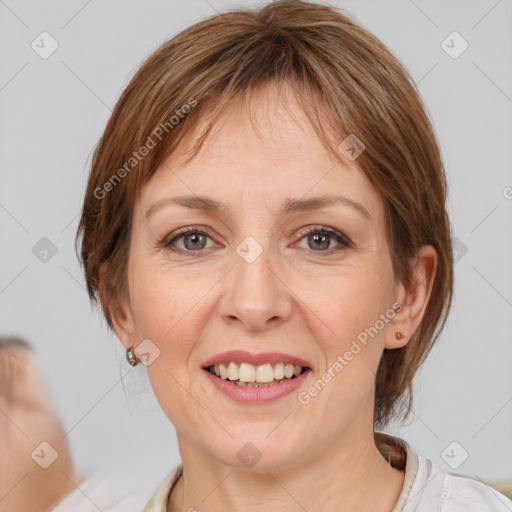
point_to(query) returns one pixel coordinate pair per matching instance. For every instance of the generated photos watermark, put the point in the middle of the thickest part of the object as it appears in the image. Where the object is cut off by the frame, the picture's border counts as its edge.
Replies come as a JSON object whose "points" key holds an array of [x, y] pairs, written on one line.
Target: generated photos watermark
{"points": [[304, 397], [144, 150]]}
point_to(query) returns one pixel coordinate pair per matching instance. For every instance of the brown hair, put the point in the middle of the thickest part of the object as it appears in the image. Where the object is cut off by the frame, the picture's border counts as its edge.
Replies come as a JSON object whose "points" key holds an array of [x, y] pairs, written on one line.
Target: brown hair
{"points": [[346, 81]]}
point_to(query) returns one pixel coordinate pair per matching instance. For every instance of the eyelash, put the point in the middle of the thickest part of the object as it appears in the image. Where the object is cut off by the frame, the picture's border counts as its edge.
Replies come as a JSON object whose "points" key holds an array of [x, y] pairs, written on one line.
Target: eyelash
{"points": [[344, 241]]}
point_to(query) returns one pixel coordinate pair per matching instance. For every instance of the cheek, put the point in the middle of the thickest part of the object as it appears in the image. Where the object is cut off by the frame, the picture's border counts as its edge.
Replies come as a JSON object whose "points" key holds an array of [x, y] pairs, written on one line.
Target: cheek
{"points": [[169, 312], [165, 309], [171, 308], [351, 302], [160, 298], [352, 332]]}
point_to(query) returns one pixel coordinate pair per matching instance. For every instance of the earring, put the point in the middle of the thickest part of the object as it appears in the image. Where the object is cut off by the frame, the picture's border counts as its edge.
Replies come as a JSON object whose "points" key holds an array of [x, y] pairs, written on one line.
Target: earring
{"points": [[400, 335], [131, 357]]}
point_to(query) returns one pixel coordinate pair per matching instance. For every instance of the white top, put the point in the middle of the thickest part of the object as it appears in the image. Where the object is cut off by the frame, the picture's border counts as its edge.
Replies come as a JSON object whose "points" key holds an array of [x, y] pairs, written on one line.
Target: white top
{"points": [[427, 488]]}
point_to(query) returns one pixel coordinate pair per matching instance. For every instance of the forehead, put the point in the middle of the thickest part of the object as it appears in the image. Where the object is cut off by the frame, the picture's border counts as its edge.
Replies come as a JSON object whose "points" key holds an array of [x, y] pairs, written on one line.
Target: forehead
{"points": [[260, 151]]}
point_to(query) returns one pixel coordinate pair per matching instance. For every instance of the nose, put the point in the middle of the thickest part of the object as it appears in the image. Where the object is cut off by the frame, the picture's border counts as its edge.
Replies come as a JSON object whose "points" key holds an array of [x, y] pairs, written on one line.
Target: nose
{"points": [[255, 296]]}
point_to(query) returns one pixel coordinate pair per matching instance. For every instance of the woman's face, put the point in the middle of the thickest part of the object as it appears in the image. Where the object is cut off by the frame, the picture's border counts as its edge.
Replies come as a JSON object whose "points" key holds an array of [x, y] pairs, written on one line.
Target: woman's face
{"points": [[250, 277]]}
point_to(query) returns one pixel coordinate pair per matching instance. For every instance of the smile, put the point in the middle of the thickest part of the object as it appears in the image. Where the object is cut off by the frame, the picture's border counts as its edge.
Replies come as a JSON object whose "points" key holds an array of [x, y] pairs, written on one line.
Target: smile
{"points": [[248, 375]]}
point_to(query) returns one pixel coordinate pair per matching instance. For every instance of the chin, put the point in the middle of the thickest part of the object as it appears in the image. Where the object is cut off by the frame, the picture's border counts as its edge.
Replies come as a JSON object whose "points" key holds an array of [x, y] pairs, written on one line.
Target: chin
{"points": [[259, 452]]}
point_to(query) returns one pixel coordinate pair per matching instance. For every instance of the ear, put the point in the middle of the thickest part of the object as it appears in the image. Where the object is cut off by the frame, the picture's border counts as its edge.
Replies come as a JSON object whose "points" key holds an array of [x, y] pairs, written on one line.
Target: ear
{"points": [[120, 312], [413, 298]]}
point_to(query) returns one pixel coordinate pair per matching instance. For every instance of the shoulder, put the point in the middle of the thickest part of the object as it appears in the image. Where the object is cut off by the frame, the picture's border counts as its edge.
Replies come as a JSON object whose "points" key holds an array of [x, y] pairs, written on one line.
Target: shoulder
{"points": [[435, 488], [465, 494], [427, 487]]}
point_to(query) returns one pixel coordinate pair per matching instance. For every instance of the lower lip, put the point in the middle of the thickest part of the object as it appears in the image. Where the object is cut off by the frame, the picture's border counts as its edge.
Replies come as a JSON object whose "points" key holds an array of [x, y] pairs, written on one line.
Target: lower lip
{"points": [[257, 395]]}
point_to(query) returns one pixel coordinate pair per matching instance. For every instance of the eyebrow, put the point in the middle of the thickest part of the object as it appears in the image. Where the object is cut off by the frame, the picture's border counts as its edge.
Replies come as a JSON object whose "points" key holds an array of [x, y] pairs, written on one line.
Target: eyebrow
{"points": [[204, 203]]}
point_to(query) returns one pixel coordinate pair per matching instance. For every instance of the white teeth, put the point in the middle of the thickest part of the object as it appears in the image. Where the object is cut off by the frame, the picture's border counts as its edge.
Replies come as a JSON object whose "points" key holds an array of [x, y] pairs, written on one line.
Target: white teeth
{"points": [[246, 373], [264, 373], [279, 371], [232, 371], [288, 371]]}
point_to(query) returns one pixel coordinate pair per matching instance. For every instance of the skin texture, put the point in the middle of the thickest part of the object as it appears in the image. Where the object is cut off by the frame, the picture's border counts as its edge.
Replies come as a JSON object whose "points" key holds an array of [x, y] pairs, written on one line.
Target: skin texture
{"points": [[294, 298], [28, 419]]}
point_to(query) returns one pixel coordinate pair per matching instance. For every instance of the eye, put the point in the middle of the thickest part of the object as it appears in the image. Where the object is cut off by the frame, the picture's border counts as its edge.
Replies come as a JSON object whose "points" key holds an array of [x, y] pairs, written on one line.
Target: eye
{"points": [[319, 239], [194, 240]]}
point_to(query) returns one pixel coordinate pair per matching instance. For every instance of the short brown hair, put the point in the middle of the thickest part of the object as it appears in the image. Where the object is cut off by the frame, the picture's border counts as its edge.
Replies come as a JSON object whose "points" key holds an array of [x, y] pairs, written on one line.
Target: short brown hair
{"points": [[346, 81]]}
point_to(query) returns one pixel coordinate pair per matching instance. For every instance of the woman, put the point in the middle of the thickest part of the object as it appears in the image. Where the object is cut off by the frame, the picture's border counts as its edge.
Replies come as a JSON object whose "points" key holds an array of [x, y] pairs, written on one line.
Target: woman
{"points": [[265, 229]]}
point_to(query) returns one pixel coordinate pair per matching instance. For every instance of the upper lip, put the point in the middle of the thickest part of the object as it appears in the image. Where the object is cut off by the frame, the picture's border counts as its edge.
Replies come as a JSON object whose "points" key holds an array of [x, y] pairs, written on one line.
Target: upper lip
{"points": [[241, 356]]}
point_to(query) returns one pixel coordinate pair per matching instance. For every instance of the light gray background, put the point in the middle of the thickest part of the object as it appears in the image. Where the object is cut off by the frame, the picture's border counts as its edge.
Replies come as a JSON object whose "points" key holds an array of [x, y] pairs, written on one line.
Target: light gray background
{"points": [[54, 110]]}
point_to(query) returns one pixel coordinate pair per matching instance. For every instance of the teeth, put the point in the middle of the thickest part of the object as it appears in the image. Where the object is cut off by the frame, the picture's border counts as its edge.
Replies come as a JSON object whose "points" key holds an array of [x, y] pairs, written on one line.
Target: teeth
{"points": [[289, 371], [233, 371], [264, 373], [255, 384], [248, 374], [279, 371]]}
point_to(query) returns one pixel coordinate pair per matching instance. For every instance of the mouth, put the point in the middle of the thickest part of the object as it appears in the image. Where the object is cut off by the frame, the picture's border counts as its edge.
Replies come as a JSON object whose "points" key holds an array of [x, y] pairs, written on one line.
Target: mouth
{"points": [[256, 378], [262, 376]]}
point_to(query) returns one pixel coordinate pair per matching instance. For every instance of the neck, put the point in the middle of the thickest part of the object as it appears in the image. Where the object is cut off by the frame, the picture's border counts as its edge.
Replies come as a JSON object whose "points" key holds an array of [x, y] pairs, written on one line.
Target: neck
{"points": [[347, 475]]}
